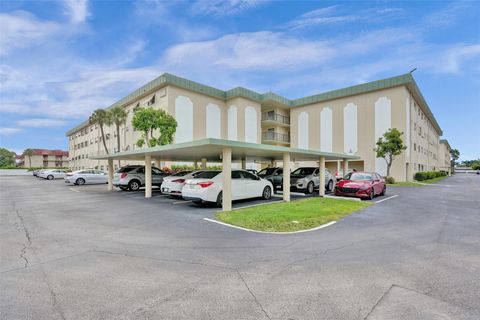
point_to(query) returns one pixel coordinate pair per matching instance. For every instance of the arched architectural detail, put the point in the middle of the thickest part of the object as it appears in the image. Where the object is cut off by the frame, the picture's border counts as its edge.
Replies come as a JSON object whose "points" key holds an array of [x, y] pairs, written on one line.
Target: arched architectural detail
{"points": [[251, 125], [184, 117], [213, 121], [350, 130], [303, 130], [232, 122], [326, 130], [383, 122]]}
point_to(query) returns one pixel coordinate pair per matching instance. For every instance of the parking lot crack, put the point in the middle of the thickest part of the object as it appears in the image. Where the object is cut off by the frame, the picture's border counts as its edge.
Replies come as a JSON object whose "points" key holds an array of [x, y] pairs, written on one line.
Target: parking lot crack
{"points": [[253, 295]]}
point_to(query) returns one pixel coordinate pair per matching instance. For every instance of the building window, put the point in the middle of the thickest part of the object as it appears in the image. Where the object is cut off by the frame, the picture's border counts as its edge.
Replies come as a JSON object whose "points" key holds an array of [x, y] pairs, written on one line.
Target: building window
{"points": [[414, 147], [151, 101]]}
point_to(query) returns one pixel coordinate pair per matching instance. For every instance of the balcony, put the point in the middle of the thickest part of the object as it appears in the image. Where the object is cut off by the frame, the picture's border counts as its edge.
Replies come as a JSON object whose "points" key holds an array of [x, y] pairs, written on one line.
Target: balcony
{"points": [[272, 118], [275, 137]]}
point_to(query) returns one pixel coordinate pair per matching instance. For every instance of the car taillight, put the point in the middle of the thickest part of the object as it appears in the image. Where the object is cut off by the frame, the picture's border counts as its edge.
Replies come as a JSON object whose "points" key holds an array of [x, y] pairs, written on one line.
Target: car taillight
{"points": [[123, 175], [179, 181], [205, 184]]}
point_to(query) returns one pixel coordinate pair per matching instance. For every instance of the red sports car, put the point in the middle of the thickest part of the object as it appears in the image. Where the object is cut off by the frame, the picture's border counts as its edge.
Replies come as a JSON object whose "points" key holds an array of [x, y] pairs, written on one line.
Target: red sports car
{"points": [[365, 185]]}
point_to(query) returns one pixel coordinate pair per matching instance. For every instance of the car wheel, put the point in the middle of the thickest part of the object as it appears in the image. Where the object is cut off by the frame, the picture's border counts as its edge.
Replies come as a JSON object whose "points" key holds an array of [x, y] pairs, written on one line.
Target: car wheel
{"points": [[267, 193], [372, 194], [80, 181], [330, 185], [219, 199], [310, 188], [50, 177], [134, 185], [384, 191]]}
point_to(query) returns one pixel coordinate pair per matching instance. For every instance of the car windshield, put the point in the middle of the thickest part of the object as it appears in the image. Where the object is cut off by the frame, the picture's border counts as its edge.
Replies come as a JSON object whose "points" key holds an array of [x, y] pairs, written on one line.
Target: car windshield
{"points": [[304, 171], [180, 173], [267, 171], [359, 176], [207, 174]]}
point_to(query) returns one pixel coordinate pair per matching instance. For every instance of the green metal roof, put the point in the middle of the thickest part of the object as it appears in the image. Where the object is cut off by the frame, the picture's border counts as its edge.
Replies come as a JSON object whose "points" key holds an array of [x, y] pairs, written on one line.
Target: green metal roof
{"points": [[211, 149], [170, 79]]}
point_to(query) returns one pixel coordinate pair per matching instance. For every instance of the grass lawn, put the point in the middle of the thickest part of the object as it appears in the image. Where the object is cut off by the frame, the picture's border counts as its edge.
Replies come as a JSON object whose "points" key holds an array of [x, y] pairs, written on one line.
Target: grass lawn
{"points": [[418, 183], [292, 216]]}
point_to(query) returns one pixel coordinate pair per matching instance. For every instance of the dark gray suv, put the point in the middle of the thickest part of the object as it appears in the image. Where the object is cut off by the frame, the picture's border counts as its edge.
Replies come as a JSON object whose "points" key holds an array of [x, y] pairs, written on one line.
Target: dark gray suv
{"points": [[274, 175]]}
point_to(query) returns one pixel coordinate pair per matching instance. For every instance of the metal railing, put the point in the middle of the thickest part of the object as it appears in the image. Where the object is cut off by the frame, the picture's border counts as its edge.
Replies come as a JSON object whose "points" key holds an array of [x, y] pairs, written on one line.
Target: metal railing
{"points": [[275, 136], [275, 117]]}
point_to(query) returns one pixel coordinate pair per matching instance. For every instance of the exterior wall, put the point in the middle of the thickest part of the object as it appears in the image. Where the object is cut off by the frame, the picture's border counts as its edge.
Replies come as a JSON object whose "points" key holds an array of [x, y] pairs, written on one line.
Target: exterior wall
{"points": [[361, 141], [444, 160], [45, 162]]}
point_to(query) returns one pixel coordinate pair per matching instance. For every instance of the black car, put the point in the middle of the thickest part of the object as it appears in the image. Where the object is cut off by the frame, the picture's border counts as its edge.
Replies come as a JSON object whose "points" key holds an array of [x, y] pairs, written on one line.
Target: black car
{"points": [[274, 175]]}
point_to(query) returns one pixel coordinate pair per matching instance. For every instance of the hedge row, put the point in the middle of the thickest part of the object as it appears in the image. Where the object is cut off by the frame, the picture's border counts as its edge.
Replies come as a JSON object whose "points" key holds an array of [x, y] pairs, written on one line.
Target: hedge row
{"points": [[420, 176]]}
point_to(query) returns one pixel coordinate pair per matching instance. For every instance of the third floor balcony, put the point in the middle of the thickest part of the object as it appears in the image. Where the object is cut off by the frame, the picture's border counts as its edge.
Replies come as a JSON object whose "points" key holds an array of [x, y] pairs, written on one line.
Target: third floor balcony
{"points": [[272, 118], [273, 137]]}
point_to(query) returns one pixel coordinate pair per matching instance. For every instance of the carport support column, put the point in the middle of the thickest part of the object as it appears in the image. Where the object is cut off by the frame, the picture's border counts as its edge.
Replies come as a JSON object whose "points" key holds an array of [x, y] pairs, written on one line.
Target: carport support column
{"points": [[321, 188], [227, 179], [286, 177], [148, 176], [195, 164], [110, 174], [244, 164], [345, 167], [158, 164], [204, 164]]}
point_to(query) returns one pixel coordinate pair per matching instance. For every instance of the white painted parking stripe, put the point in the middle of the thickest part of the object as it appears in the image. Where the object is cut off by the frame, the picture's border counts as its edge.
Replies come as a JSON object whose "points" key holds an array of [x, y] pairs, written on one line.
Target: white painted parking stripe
{"points": [[182, 202], [269, 232], [394, 196]]}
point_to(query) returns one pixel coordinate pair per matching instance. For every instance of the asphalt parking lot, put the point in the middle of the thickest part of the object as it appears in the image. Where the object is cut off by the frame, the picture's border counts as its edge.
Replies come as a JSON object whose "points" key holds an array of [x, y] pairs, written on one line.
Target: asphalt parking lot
{"points": [[86, 253]]}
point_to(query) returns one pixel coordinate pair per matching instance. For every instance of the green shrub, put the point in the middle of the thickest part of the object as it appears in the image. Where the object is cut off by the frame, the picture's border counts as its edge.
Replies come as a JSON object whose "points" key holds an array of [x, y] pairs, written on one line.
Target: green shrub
{"points": [[10, 167], [390, 180], [427, 175]]}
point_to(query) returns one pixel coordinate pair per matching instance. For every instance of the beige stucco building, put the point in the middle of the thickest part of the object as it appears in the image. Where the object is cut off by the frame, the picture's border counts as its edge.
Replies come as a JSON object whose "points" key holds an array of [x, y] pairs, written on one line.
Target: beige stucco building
{"points": [[348, 120], [444, 157], [43, 158]]}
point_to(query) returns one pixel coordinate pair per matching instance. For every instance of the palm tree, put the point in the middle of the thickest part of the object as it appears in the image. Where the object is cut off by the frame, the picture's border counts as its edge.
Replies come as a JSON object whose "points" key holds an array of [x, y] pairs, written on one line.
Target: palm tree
{"points": [[29, 154], [117, 116], [100, 117]]}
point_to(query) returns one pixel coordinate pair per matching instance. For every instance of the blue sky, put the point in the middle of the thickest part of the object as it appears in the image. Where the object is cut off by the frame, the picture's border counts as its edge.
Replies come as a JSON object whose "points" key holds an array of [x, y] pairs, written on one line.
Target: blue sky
{"points": [[60, 60]]}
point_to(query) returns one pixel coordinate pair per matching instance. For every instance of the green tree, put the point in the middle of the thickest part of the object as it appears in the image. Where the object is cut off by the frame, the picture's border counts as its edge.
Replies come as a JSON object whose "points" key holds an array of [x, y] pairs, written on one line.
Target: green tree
{"points": [[454, 155], [118, 117], [389, 146], [100, 117], [147, 120], [29, 154], [7, 157]]}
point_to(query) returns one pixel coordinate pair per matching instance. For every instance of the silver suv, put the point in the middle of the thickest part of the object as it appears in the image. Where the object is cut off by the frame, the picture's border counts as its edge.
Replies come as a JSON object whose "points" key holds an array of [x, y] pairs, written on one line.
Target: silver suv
{"points": [[307, 179], [132, 177]]}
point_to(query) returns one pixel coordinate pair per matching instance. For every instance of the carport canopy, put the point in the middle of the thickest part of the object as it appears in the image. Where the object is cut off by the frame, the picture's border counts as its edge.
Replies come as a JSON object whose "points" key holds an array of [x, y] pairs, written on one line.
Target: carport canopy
{"points": [[225, 151]]}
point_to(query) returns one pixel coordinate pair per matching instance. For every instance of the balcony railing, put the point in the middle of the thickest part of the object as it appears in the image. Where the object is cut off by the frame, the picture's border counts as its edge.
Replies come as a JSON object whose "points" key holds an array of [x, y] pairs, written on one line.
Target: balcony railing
{"points": [[271, 116], [275, 136]]}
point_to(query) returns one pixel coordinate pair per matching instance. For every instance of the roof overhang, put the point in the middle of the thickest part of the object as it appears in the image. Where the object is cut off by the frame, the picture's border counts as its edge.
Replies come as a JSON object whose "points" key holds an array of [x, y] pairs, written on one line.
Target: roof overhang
{"points": [[211, 149]]}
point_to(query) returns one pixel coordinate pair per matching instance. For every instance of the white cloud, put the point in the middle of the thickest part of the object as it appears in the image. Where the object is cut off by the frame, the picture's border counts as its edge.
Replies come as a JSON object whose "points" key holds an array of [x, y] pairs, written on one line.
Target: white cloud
{"points": [[322, 16], [223, 7], [41, 123], [20, 29], [247, 51], [76, 10], [9, 131]]}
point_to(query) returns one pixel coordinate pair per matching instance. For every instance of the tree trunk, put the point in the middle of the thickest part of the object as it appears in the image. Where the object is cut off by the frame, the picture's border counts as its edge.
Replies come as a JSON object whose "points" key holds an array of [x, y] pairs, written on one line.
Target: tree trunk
{"points": [[103, 138], [118, 142]]}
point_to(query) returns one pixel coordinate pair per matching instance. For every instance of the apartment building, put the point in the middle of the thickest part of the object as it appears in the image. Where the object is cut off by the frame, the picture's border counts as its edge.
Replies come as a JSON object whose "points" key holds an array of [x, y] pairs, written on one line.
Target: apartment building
{"points": [[444, 156], [348, 120], [44, 158]]}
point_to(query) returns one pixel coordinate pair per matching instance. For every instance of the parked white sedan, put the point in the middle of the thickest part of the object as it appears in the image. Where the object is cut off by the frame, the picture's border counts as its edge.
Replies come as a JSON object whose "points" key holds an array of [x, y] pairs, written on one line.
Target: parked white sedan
{"points": [[174, 183], [89, 176], [207, 187], [53, 174]]}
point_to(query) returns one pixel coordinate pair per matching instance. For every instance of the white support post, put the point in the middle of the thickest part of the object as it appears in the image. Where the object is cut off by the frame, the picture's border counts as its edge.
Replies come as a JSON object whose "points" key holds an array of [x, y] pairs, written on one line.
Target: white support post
{"points": [[204, 164], [339, 167], [321, 188], [110, 174], [158, 163], [244, 164], [148, 176], [286, 177], [195, 164], [345, 167], [227, 179]]}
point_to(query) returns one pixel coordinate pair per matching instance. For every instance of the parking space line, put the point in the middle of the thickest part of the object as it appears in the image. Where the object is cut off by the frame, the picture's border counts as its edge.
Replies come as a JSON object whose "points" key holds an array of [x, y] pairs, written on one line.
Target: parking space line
{"points": [[394, 196], [182, 202], [75, 190]]}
